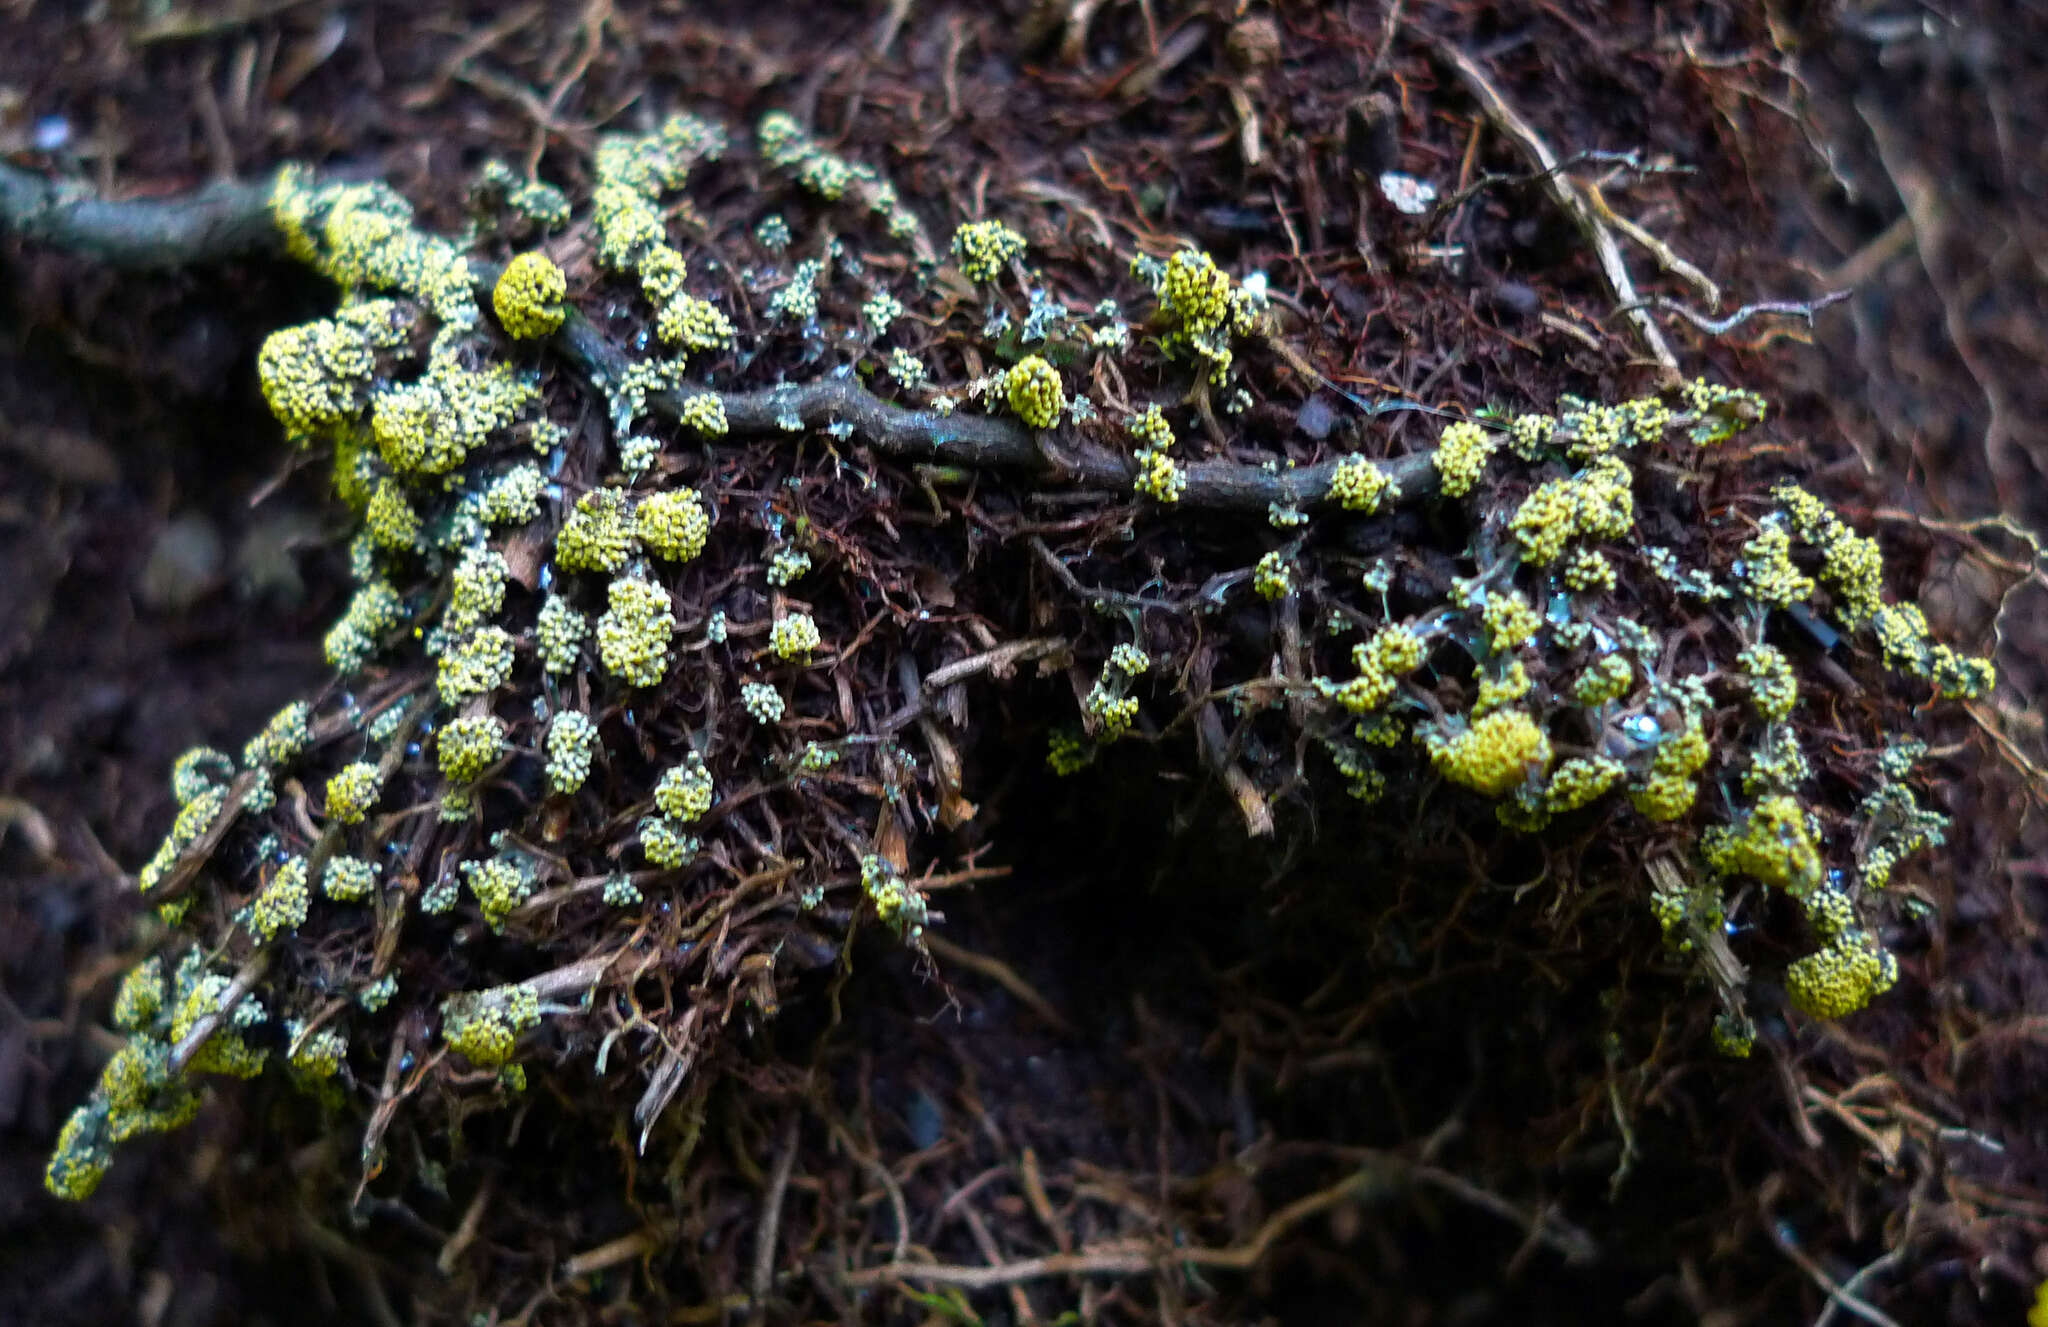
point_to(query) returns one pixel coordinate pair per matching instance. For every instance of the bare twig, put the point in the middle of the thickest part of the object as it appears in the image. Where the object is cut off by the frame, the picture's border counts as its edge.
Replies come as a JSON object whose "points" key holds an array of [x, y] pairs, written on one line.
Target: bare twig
{"points": [[1568, 196]]}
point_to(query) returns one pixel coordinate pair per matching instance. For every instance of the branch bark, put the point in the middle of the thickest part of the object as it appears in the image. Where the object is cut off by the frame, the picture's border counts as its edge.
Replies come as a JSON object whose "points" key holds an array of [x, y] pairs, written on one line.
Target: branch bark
{"points": [[233, 220]]}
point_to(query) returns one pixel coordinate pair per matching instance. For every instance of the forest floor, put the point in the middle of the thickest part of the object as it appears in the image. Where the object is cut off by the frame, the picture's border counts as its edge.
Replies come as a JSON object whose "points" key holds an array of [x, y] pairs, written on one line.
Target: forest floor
{"points": [[165, 577]]}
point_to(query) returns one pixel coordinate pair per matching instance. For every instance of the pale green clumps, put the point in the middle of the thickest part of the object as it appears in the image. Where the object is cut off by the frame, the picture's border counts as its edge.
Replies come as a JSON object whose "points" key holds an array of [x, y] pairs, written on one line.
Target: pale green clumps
{"points": [[763, 703], [477, 665], [283, 739], [633, 633], [673, 524], [794, 636], [349, 879], [281, 904], [468, 746], [685, 791], [559, 631], [571, 740], [353, 791]]}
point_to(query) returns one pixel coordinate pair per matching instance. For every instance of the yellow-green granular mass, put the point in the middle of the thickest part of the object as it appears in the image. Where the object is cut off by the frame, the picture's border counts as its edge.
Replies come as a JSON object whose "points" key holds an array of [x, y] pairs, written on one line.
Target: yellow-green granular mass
{"points": [[984, 248], [1579, 781], [794, 636], [348, 879], [281, 905], [499, 886], [198, 771], [478, 664], [141, 996], [1273, 577], [705, 414], [352, 791], [1841, 978], [634, 631], [1773, 844], [1510, 622], [559, 630], [1669, 788], [316, 1055], [665, 845], [469, 746], [528, 296], [1495, 755], [1461, 456], [685, 791], [1606, 678], [598, 535], [1033, 390], [1159, 477], [572, 738], [484, 1027], [1359, 485], [373, 613], [81, 1158], [1498, 692], [283, 739], [1767, 571], [476, 590], [1773, 688], [673, 524]]}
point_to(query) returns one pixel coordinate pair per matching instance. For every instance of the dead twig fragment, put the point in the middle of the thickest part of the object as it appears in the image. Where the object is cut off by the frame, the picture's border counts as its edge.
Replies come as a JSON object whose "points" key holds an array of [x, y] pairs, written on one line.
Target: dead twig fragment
{"points": [[1567, 195]]}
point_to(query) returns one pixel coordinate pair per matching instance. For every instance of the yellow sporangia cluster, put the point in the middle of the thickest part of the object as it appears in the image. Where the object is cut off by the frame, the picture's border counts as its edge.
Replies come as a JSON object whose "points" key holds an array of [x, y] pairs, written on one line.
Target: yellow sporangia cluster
{"points": [[1494, 755], [1597, 503], [1201, 307], [1358, 485], [1667, 791], [1462, 452], [984, 248], [528, 297], [633, 172], [1032, 388], [1773, 843]]}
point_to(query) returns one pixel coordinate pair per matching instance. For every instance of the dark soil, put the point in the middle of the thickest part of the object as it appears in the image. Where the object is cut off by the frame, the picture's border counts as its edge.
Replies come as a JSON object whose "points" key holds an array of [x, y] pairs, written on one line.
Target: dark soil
{"points": [[163, 581]]}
